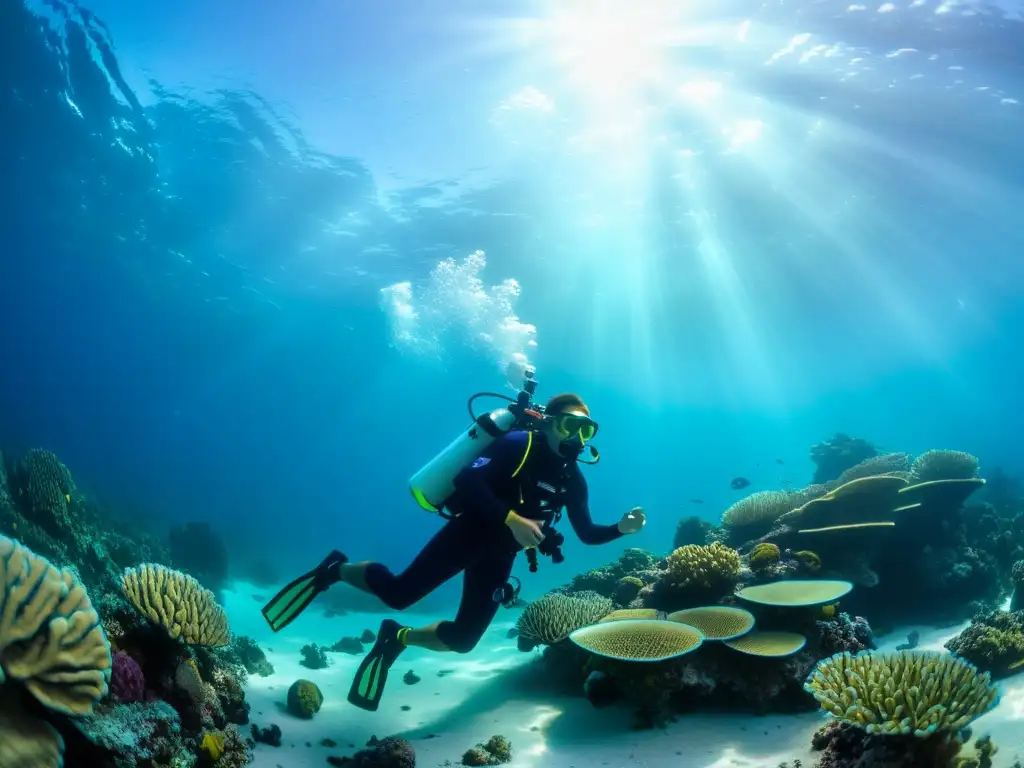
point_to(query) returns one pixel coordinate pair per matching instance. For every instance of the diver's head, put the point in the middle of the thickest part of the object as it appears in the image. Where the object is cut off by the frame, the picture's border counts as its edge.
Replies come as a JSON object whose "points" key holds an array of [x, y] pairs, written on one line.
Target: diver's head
{"points": [[567, 425]]}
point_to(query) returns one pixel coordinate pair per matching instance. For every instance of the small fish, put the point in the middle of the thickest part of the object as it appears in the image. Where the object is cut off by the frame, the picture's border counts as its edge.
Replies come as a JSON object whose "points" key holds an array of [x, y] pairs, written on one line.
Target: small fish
{"points": [[696, 501], [779, 461], [739, 483]]}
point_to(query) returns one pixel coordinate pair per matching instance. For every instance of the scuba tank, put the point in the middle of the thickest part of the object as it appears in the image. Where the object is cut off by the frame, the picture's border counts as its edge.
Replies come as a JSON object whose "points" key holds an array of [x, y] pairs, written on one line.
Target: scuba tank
{"points": [[435, 482]]}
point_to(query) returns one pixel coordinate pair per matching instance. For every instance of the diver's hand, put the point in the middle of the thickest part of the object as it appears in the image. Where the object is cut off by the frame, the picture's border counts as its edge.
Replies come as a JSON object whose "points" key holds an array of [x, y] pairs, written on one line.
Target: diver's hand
{"points": [[632, 521], [526, 531]]}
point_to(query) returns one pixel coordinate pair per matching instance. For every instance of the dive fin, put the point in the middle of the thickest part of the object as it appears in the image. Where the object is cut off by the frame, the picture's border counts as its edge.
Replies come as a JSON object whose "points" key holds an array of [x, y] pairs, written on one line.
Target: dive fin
{"points": [[368, 685], [291, 601]]}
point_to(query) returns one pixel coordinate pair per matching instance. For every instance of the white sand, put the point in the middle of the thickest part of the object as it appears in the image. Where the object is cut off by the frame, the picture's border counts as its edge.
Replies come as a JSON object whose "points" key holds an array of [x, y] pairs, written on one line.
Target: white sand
{"points": [[487, 693]]}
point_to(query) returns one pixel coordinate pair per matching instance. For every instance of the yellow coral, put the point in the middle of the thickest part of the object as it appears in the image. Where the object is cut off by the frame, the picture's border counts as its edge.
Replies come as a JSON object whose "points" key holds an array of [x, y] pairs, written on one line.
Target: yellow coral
{"points": [[764, 556], [304, 698], [631, 613], [702, 566], [769, 645], [213, 745], [639, 639], [716, 622], [51, 639], [907, 692], [176, 602]]}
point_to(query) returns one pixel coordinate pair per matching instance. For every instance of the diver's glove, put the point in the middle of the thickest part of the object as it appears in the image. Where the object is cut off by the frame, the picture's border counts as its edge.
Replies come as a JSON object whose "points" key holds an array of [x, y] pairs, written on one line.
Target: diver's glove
{"points": [[632, 521], [527, 532]]}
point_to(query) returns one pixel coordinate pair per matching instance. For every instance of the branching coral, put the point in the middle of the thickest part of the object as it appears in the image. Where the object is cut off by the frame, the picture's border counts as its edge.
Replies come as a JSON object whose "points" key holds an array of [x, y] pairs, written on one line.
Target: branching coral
{"points": [[907, 692], [944, 465], [886, 464], [176, 602], [758, 510], [554, 617], [709, 567], [994, 642]]}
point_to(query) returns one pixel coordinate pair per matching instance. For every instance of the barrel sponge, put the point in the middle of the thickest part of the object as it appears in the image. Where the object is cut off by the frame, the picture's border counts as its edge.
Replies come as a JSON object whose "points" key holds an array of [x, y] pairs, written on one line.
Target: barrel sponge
{"points": [[27, 742], [639, 639], [906, 692], [176, 602], [764, 556], [716, 622], [763, 507], [703, 566], [51, 639], [944, 465], [554, 617]]}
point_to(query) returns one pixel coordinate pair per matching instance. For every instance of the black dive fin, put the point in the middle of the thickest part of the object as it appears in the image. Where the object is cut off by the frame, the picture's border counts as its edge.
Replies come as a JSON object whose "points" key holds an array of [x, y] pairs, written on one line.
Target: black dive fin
{"points": [[372, 675], [291, 601]]}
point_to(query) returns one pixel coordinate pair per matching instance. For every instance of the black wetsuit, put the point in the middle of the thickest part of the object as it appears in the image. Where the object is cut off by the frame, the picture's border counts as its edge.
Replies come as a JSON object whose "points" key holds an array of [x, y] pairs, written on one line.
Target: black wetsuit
{"points": [[477, 540]]}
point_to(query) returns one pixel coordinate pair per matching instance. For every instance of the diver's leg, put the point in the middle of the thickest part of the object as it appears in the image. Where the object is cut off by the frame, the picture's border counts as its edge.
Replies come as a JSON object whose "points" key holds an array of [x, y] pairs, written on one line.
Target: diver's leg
{"points": [[488, 573], [447, 553]]}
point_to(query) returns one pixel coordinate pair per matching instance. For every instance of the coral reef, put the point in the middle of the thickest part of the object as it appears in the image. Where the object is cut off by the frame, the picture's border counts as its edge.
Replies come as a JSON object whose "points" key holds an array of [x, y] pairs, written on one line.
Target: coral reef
{"points": [[391, 752], [496, 751], [315, 657], [944, 465], [645, 640], [994, 642], [176, 602], [838, 454], [691, 530]]}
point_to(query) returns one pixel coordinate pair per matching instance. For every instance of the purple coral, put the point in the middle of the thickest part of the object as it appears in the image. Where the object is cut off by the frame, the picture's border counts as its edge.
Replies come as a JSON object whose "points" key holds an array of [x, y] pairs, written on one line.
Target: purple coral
{"points": [[127, 683]]}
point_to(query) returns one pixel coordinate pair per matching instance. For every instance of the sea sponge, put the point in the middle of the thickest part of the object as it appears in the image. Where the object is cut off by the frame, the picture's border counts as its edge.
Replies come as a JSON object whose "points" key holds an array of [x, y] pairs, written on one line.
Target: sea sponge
{"points": [[716, 622], [944, 465], [994, 642], [213, 745], [304, 699], [702, 567], [768, 644], [795, 593], [553, 617], [764, 556], [638, 639], [631, 613], [906, 692], [176, 602], [127, 682], [759, 509], [51, 639]]}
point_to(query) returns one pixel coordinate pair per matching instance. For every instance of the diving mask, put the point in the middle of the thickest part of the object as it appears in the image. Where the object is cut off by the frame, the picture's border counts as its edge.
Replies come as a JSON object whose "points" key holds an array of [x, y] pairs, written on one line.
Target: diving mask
{"points": [[574, 431]]}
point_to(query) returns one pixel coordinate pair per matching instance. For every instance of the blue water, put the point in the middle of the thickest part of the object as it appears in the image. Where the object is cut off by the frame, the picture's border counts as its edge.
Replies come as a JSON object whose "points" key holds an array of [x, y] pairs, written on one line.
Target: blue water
{"points": [[762, 225]]}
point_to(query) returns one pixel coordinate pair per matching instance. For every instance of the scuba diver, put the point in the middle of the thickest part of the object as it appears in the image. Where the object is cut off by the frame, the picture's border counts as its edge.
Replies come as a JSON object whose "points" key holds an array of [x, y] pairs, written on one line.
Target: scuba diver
{"points": [[506, 499]]}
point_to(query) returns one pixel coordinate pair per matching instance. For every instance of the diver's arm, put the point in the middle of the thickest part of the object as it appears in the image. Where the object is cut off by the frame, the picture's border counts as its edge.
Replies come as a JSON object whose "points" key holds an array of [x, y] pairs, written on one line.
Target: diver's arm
{"points": [[496, 465], [577, 508]]}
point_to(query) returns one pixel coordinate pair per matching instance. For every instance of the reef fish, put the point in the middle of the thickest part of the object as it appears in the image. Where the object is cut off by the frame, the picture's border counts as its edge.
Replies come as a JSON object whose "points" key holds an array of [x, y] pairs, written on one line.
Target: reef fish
{"points": [[739, 483]]}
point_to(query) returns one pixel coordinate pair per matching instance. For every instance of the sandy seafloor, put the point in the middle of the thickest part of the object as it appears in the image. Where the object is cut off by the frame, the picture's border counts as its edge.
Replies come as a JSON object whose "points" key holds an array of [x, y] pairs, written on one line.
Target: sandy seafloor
{"points": [[487, 692]]}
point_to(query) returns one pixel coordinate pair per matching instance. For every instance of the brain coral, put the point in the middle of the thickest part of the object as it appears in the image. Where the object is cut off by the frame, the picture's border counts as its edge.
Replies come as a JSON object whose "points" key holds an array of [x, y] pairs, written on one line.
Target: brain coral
{"points": [[176, 602], [51, 640]]}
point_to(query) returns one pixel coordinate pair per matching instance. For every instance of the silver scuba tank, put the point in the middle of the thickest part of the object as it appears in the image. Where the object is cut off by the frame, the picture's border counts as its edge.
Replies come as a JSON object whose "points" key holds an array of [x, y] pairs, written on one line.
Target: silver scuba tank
{"points": [[434, 483]]}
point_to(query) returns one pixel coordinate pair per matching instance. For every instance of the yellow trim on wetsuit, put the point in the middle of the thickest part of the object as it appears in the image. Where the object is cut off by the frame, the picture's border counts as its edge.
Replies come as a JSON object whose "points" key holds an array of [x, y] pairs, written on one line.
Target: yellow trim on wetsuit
{"points": [[526, 453]]}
